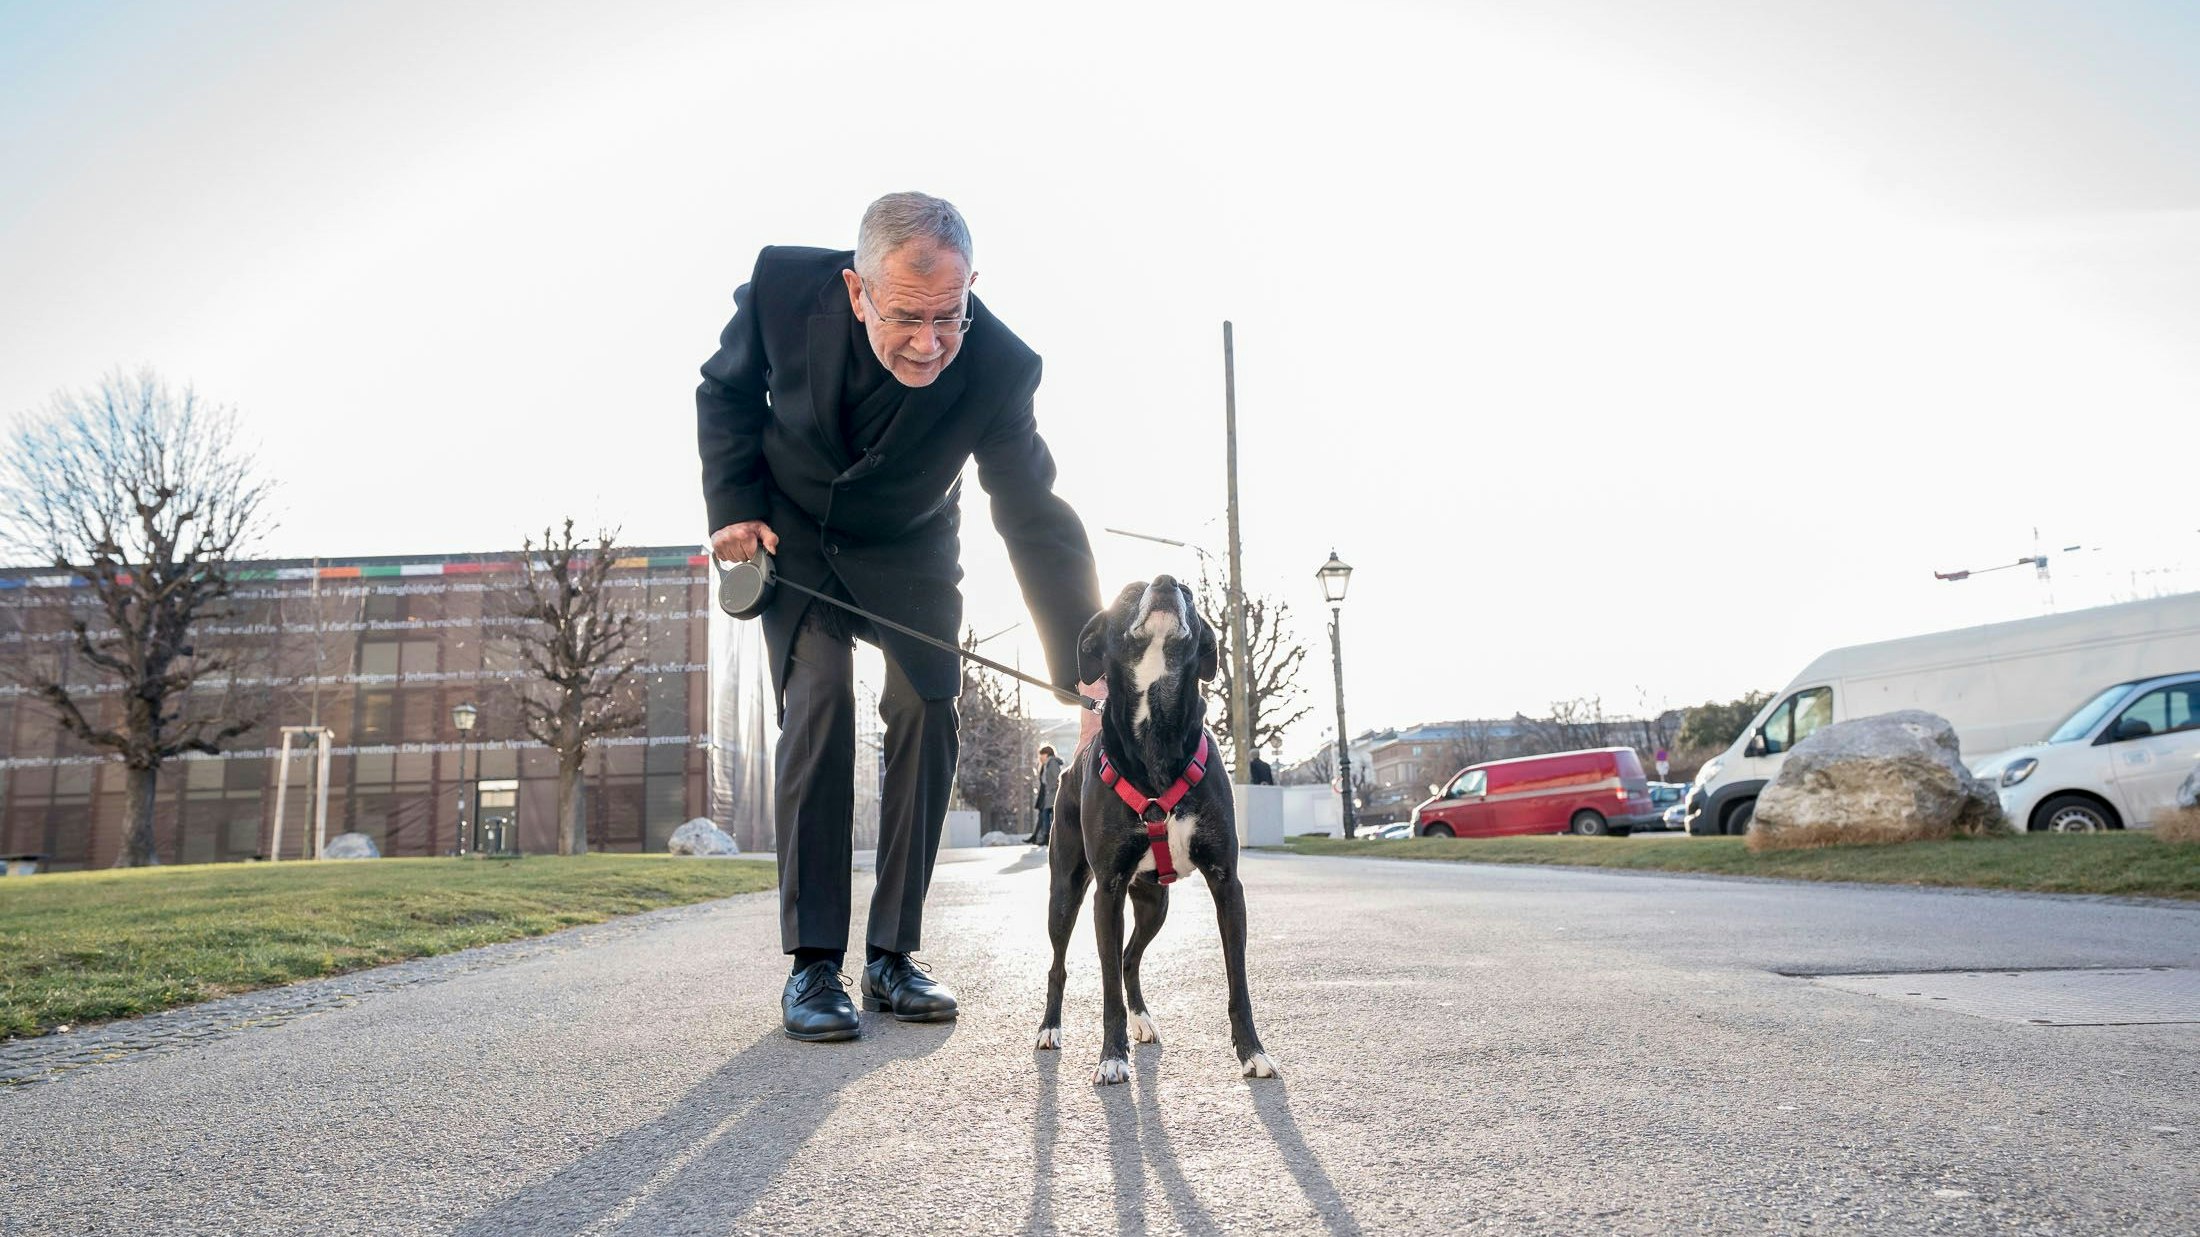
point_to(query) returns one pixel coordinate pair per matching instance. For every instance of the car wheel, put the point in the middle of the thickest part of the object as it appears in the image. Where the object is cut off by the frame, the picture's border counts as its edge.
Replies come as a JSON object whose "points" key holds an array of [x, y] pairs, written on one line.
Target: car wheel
{"points": [[1739, 816], [1589, 825], [1438, 831], [2074, 814]]}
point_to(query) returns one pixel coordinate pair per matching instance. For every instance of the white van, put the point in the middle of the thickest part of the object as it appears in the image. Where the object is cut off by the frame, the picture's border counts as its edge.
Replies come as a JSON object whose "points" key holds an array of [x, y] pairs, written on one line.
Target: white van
{"points": [[2000, 685]]}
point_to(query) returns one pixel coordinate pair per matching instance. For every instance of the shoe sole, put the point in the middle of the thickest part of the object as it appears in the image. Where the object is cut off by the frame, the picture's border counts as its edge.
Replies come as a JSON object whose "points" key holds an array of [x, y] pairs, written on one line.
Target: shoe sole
{"points": [[877, 1006], [819, 1037]]}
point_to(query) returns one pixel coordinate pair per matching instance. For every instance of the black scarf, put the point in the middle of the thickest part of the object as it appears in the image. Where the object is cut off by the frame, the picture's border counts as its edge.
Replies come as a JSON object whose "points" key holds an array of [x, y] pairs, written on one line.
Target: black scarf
{"points": [[869, 395]]}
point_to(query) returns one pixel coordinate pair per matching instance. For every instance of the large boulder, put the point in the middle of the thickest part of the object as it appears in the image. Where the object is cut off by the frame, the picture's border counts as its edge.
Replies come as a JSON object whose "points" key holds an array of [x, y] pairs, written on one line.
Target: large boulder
{"points": [[701, 838], [351, 846], [1896, 777]]}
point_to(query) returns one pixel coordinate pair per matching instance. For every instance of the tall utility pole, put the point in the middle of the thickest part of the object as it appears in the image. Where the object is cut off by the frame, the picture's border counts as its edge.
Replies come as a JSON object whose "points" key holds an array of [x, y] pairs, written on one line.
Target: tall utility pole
{"points": [[1241, 726]]}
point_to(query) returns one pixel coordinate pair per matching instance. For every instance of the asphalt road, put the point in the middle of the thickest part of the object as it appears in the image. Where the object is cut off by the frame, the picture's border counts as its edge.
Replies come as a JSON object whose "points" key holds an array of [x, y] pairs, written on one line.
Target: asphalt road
{"points": [[1465, 1049]]}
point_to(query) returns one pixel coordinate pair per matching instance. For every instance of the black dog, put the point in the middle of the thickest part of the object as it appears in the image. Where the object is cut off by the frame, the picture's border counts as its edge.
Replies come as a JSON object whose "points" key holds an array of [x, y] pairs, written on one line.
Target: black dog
{"points": [[1153, 752]]}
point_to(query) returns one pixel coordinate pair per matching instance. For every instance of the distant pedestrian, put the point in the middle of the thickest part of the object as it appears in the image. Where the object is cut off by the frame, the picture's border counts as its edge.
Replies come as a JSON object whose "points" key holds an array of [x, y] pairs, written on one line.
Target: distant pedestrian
{"points": [[1264, 774], [1042, 803]]}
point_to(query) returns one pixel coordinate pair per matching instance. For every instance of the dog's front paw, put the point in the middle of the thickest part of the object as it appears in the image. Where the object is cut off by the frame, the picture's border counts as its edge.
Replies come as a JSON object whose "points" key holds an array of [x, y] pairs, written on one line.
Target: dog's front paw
{"points": [[1050, 1037], [1143, 1029], [1259, 1066], [1112, 1070]]}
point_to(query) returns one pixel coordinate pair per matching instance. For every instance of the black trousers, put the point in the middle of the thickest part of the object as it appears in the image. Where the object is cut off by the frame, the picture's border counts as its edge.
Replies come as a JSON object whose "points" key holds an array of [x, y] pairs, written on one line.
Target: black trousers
{"points": [[816, 771]]}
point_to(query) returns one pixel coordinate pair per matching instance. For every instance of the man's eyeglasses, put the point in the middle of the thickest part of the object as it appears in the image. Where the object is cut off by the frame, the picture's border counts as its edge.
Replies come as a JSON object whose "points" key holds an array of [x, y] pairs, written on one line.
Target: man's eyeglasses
{"points": [[941, 326]]}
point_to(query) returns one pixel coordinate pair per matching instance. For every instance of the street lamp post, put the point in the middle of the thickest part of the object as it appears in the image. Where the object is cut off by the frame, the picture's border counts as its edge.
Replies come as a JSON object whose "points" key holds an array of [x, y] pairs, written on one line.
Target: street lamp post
{"points": [[1335, 575], [463, 716]]}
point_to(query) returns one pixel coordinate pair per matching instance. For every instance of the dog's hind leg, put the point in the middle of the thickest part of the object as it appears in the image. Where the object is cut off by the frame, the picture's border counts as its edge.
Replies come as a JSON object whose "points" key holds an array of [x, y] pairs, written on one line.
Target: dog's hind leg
{"points": [[1150, 904], [1107, 922], [1065, 898], [1230, 914]]}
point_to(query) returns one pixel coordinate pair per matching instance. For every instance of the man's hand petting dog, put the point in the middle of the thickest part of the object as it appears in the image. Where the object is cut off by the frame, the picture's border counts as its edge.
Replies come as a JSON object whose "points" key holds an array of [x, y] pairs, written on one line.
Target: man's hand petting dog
{"points": [[1145, 656], [1088, 720]]}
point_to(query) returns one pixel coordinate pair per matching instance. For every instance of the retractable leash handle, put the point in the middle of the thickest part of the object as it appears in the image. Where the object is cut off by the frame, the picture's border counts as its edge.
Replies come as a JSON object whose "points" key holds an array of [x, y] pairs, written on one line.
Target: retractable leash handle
{"points": [[745, 589]]}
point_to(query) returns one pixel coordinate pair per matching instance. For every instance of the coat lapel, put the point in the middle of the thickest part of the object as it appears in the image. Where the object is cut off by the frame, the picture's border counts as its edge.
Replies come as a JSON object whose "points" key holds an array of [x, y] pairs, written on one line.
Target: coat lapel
{"points": [[828, 367]]}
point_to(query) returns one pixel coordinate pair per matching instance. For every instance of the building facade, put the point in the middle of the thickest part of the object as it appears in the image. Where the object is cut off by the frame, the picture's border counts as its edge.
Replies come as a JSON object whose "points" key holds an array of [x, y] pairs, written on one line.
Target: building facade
{"points": [[379, 652]]}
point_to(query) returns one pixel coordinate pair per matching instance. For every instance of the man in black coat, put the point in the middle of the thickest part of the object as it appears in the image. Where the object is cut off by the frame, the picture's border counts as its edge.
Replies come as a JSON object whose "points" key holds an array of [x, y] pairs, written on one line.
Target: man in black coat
{"points": [[846, 395]]}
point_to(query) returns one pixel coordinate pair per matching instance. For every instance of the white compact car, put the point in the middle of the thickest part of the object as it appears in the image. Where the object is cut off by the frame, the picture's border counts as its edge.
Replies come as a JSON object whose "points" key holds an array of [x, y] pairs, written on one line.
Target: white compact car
{"points": [[2117, 761]]}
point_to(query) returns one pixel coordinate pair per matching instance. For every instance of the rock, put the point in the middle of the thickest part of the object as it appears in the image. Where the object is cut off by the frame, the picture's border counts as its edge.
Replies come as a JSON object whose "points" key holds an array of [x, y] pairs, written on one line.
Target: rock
{"points": [[998, 838], [351, 846], [2188, 791], [701, 838], [1896, 777]]}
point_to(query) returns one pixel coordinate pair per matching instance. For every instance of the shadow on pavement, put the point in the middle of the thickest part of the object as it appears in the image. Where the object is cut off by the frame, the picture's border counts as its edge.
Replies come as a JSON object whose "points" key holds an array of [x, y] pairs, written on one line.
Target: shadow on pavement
{"points": [[1035, 857], [1040, 1219], [1126, 1162], [1273, 1104], [1153, 1139], [1137, 1140], [706, 1160]]}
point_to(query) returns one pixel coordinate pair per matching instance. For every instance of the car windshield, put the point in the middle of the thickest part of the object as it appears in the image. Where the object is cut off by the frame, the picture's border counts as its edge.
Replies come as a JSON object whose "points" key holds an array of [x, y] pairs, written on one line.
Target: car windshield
{"points": [[2083, 721]]}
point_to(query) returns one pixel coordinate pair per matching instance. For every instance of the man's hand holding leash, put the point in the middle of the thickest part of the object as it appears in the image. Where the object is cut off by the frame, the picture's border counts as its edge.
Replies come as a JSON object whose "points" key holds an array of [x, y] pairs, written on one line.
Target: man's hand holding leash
{"points": [[736, 543]]}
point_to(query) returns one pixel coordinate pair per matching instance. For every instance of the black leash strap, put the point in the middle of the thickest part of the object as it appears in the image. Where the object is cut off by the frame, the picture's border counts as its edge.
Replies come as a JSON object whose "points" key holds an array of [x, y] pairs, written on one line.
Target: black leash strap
{"points": [[1063, 694]]}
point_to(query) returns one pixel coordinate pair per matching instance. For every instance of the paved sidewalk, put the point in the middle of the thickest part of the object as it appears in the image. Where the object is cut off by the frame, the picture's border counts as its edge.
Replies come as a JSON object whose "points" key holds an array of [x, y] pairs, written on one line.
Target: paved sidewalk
{"points": [[1464, 1049]]}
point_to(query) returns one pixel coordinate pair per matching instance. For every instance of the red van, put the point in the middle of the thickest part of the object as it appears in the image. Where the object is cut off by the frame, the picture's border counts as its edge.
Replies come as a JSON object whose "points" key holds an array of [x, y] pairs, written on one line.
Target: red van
{"points": [[1597, 792]]}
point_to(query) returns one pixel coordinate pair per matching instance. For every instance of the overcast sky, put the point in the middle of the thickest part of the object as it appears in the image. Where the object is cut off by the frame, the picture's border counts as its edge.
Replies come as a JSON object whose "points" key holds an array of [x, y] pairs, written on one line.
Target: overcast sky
{"points": [[1641, 351]]}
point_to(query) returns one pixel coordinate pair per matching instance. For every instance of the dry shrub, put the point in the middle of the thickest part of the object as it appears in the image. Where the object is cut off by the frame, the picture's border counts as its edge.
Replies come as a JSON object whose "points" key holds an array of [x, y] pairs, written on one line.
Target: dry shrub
{"points": [[2182, 825]]}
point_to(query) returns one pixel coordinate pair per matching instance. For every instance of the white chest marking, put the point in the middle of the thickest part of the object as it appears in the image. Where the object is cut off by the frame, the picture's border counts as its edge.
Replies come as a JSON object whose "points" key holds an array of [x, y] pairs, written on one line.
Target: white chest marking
{"points": [[1180, 846], [1153, 666]]}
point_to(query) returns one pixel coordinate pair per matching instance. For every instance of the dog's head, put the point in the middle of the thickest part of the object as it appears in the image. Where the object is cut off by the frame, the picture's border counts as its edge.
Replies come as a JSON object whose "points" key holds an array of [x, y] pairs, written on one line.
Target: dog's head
{"points": [[1154, 650]]}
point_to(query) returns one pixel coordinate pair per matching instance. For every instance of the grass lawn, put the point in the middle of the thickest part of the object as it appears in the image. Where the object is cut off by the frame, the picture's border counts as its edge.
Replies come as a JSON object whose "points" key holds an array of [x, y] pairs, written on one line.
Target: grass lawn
{"points": [[2134, 864], [87, 946]]}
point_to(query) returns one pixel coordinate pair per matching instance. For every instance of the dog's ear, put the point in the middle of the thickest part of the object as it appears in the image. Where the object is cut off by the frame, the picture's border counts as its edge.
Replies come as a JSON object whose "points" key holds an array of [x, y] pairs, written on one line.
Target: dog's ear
{"points": [[1209, 656], [1092, 649]]}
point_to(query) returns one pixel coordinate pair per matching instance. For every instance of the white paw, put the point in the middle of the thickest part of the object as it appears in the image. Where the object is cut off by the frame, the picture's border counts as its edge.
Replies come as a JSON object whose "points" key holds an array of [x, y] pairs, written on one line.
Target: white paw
{"points": [[1143, 1029], [1050, 1037], [1259, 1066], [1112, 1070]]}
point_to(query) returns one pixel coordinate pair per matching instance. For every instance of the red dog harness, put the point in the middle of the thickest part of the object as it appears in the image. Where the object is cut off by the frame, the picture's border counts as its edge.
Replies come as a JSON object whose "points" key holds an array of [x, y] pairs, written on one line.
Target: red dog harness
{"points": [[1154, 811]]}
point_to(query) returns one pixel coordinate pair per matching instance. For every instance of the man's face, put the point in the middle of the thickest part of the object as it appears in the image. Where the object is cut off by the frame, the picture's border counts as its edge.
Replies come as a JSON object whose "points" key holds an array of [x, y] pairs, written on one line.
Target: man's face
{"points": [[914, 355]]}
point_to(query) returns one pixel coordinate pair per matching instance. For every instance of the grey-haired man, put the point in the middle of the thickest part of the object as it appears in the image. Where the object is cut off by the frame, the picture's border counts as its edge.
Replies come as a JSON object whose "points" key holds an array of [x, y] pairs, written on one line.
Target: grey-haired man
{"points": [[846, 395]]}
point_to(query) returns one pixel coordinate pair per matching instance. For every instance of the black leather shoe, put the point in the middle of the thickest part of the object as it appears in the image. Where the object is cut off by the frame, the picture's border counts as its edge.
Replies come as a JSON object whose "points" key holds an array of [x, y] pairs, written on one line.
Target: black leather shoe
{"points": [[898, 982], [815, 1006]]}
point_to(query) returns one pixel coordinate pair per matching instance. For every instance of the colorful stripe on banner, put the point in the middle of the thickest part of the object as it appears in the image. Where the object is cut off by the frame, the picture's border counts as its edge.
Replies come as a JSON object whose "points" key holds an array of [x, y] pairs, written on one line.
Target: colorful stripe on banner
{"points": [[375, 571]]}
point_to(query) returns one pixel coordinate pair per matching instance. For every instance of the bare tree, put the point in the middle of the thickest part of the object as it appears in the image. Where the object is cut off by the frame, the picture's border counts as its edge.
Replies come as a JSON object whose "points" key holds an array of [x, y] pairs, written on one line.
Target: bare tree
{"points": [[145, 494], [1473, 742], [993, 769], [1273, 660], [1317, 769], [1570, 726], [573, 640]]}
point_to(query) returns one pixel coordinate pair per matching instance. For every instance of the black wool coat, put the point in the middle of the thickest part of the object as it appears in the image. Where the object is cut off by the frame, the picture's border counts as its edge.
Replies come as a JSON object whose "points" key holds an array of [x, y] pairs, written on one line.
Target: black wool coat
{"points": [[885, 523]]}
